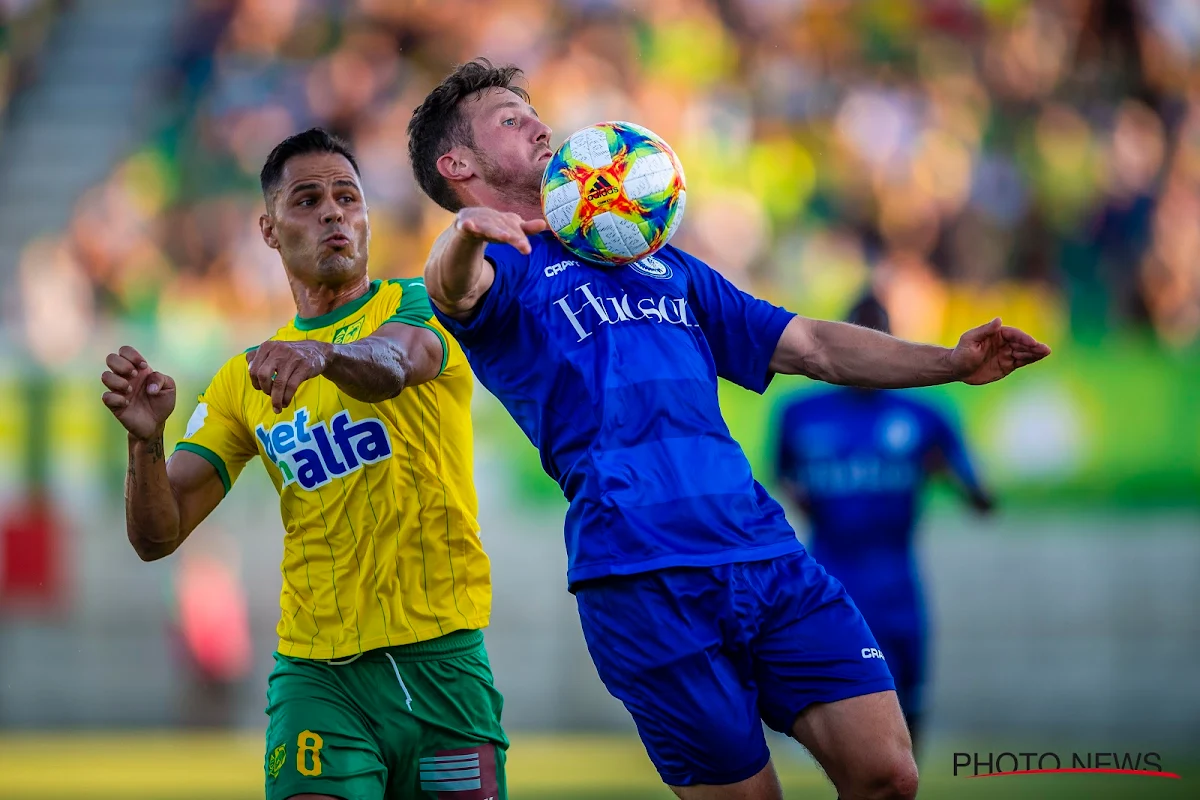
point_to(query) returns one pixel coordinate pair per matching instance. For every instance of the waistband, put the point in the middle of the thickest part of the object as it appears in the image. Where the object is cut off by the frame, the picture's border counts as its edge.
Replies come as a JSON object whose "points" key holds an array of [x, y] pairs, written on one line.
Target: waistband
{"points": [[451, 645]]}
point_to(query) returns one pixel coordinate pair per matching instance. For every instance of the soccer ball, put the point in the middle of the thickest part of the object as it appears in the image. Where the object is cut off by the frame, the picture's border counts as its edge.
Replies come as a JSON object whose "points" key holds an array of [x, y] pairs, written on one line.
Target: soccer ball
{"points": [[613, 193]]}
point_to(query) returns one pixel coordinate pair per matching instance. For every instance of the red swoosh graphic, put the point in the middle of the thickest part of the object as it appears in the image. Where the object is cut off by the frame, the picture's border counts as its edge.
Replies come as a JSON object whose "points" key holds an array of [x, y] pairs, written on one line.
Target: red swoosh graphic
{"points": [[1093, 771]]}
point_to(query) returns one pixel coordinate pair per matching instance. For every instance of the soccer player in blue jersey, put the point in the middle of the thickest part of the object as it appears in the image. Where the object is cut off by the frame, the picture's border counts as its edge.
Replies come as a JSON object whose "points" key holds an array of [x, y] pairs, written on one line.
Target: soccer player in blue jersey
{"points": [[856, 461], [701, 610]]}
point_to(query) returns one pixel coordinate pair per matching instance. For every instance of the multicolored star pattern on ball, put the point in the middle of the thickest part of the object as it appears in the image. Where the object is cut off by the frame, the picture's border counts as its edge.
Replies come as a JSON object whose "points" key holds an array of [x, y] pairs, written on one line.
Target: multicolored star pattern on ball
{"points": [[613, 193]]}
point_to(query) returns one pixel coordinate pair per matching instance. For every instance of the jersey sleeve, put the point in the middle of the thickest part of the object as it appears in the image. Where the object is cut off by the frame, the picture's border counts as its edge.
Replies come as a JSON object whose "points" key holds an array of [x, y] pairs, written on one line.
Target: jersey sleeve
{"points": [[786, 457], [947, 437], [216, 431], [499, 304], [742, 331], [415, 309]]}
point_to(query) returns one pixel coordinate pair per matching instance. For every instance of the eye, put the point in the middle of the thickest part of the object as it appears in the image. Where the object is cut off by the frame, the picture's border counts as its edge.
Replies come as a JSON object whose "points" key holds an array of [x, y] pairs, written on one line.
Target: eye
{"points": [[510, 121], [347, 198], [305, 201]]}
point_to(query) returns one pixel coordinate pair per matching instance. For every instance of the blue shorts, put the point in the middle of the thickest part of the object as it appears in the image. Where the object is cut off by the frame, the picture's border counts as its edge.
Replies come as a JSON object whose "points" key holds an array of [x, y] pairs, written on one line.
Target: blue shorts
{"points": [[702, 656]]}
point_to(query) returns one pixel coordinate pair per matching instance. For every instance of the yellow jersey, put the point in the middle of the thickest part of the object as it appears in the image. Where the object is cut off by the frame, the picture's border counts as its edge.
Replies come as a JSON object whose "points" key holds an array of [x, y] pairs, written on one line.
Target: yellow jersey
{"points": [[381, 543]]}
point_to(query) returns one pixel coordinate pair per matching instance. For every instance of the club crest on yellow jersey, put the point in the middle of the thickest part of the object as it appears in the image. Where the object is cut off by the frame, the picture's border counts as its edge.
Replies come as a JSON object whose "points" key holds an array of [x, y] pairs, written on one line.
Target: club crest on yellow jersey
{"points": [[349, 333], [313, 454]]}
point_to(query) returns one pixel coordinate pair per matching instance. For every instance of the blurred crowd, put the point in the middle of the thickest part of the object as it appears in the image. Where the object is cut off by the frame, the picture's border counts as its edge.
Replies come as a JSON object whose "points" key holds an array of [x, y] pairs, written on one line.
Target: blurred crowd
{"points": [[1039, 155], [24, 26]]}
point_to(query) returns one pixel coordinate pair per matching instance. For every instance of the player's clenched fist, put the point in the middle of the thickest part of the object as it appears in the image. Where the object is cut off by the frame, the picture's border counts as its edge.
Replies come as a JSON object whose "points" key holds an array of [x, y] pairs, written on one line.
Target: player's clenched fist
{"points": [[278, 368], [498, 226], [140, 398]]}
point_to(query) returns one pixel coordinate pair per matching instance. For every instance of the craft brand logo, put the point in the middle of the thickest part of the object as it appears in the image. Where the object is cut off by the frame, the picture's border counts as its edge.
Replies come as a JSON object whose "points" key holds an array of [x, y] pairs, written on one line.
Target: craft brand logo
{"points": [[989, 765], [559, 268]]}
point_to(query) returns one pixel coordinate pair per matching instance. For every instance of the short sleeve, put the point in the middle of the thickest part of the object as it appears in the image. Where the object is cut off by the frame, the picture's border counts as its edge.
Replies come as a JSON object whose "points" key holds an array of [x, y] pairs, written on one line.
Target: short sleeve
{"points": [[216, 433], [742, 331], [498, 307], [415, 309]]}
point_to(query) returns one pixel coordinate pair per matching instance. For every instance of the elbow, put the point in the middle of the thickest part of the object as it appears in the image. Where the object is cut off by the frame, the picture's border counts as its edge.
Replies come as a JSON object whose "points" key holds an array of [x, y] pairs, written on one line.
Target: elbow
{"points": [[149, 549], [153, 551], [814, 364]]}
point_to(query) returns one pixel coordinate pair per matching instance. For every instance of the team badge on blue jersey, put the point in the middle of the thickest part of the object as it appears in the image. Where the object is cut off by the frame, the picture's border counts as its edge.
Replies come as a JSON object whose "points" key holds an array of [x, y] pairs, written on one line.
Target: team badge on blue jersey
{"points": [[652, 267]]}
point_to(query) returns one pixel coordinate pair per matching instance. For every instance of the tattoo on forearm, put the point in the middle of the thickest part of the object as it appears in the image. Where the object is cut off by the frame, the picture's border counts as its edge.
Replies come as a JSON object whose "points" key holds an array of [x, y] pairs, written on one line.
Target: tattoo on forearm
{"points": [[156, 452]]}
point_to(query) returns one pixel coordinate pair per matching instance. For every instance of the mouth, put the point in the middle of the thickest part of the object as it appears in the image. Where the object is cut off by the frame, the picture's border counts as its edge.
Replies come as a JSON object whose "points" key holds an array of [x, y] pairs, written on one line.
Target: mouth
{"points": [[546, 156], [336, 240]]}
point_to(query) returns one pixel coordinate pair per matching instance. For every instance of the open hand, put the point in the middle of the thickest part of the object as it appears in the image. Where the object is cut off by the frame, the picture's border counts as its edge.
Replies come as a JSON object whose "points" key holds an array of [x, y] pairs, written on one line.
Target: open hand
{"points": [[990, 352], [140, 398], [503, 227], [278, 368]]}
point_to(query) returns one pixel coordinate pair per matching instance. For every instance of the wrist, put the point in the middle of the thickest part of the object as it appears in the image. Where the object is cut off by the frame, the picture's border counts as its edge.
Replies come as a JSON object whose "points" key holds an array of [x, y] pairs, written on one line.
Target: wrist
{"points": [[950, 368], [155, 436], [330, 354]]}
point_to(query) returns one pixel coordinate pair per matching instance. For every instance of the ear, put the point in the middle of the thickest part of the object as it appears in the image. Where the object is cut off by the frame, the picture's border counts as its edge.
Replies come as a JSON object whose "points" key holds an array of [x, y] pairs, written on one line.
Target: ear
{"points": [[457, 165], [267, 226]]}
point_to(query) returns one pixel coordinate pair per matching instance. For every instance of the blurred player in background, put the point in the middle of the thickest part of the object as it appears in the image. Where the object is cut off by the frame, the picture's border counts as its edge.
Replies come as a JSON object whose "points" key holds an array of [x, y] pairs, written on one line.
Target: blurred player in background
{"points": [[701, 610], [360, 409], [856, 461]]}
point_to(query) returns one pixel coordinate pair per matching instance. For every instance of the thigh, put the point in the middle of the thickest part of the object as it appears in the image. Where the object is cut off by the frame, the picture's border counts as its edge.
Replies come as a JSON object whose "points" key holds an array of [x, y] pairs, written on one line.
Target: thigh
{"points": [[657, 643], [440, 724], [813, 645], [862, 742], [318, 743]]}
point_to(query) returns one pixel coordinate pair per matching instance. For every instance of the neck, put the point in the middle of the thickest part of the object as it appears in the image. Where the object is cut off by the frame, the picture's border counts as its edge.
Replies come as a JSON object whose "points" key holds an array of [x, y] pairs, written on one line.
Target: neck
{"points": [[319, 299], [527, 208]]}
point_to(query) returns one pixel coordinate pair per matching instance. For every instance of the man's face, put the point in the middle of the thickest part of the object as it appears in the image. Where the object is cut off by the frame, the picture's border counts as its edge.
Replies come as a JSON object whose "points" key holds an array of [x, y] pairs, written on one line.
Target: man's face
{"points": [[512, 145], [317, 220]]}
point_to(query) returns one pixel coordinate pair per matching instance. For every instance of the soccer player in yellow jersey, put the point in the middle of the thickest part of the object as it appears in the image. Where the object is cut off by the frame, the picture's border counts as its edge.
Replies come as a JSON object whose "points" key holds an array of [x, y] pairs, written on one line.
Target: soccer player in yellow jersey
{"points": [[360, 410]]}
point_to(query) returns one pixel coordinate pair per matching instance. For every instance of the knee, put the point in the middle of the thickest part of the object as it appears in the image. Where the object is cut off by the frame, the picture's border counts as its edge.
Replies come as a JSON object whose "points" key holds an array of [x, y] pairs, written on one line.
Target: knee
{"points": [[895, 779]]}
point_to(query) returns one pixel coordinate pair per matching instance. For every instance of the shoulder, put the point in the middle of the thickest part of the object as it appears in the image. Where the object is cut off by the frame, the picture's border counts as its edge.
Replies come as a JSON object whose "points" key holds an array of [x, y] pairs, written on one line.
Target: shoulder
{"points": [[544, 247], [232, 379], [680, 259], [517, 273], [406, 299]]}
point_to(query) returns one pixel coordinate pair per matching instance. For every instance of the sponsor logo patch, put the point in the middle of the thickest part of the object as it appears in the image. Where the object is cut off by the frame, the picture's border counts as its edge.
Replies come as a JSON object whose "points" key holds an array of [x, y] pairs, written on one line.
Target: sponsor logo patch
{"points": [[312, 455]]}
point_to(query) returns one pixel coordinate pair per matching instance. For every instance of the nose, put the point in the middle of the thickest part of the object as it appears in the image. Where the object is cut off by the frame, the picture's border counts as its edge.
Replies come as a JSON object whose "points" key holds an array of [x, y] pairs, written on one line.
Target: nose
{"points": [[331, 212], [543, 133]]}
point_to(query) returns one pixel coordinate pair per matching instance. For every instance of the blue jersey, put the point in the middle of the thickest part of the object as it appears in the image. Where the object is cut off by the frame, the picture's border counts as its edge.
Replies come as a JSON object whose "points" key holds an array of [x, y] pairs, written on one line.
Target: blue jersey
{"points": [[861, 459], [612, 374]]}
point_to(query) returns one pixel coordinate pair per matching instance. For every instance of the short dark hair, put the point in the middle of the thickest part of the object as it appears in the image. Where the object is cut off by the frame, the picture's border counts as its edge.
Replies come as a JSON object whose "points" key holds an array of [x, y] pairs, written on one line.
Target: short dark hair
{"points": [[437, 124], [870, 313], [313, 140]]}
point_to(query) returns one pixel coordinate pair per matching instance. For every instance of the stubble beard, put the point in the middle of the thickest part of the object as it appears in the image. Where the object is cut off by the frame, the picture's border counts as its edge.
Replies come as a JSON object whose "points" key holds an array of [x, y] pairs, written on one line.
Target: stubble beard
{"points": [[523, 185]]}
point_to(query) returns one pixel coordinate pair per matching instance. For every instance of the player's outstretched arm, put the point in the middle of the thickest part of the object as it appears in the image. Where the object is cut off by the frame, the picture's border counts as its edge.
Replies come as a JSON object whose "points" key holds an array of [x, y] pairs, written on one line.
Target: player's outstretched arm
{"points": [[849, 355], [457, 276], [164, 499], [373, 369]]}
